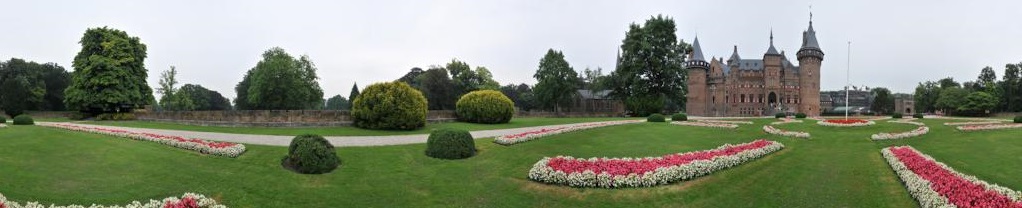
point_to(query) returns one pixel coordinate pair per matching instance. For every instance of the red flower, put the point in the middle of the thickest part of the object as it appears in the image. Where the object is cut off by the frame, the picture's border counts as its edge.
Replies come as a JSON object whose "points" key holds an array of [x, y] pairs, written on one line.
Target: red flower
{"points": [[959, 191], [617, 167]]}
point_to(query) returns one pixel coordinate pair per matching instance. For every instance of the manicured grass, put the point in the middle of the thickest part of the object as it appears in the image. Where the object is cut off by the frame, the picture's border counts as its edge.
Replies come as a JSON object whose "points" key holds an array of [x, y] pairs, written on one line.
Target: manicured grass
{"points": [[352, 131], [838, 167]]}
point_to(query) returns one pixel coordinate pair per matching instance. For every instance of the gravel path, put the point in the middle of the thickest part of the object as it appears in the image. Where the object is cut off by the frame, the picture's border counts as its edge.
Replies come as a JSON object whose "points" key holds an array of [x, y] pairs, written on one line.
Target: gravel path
{"points": [[340, 141]]}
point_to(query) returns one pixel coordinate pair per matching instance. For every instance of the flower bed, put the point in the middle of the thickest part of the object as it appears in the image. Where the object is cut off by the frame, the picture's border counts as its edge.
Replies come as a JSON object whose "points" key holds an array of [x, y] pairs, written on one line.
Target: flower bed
{"points": [[845, 123], [934, 184], [786, 121], [3, 125], [776, 131], [726, 121], [706, 124], [511, 139], [226, 149], [971, 123], [908, 121], [989, 127], [188, 200], [901, 135], [649, 171]]}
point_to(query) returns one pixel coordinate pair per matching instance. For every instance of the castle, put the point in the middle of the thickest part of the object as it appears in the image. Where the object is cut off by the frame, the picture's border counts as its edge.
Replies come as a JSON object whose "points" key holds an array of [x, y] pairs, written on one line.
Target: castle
{"points": [[755, 87]]}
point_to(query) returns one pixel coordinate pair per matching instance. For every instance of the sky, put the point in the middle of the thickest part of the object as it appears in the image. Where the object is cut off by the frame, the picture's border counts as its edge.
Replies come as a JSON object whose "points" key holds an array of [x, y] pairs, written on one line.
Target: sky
{"points": [[894, 44]]}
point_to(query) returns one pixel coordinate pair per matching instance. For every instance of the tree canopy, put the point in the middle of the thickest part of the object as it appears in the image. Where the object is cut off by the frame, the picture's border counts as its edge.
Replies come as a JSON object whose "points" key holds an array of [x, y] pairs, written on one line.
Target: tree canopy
{"points": [[110, 73], [281, 82], [650, 71], [557, 81], [337, 102], [26, 85]]}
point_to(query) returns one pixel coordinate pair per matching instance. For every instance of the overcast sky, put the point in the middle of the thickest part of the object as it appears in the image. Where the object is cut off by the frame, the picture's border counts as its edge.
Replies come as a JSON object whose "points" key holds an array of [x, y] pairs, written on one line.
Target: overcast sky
{"points": [[895, 44]]}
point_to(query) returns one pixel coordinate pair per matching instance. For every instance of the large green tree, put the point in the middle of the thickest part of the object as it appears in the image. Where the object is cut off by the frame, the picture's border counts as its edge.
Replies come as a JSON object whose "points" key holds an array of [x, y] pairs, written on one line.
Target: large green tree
{"points": [[354, 92], [951, 99], [650, 71], [110, 73], [170, 98], [557, 81], [438, 89], [521, 94], [204, 99], [337, 102], [26, 85], [883, 101], [977, 104], [926, 95], [1011, 88], [467, 80], [282, 82]]}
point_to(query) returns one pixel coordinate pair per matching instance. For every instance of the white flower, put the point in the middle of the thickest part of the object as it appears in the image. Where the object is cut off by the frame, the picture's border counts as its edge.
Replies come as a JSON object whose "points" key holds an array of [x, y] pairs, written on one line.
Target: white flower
{"points": [[825, 123], [920, 188], [971, 123], [725, 121], [989, 127], [202, 146], [776, 131], [705, 124], [786, 121], [200, 199], [901, 135], [511, 139]]}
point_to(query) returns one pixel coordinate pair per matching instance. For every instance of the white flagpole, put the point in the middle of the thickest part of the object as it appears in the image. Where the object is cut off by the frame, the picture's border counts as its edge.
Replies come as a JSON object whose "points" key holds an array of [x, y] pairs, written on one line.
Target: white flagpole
{"points": [[848, 77]]}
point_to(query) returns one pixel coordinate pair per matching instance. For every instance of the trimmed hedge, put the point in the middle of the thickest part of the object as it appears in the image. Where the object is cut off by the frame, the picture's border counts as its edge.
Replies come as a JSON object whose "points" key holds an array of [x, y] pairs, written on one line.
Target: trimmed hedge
{"points": [[1018, 119], [917, 115], [311, 154], [389, 105], [800, 115], [23, 120], [897, 115], [450, 144], [485, 106], [656, 117], [780, 115], [679, 117]]}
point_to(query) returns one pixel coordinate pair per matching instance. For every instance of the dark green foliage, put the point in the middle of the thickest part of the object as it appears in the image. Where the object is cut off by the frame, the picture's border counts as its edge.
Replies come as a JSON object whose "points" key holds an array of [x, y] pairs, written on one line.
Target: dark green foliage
{"points": [[643, 105], [679, 117], [897, 115], [780, 115], [800, 115], [1018, 119], [485, 106], [557, 81], [389, 105], [116, 117], [23, 120], [110, 73], [649, 70], [438, 88], [311, 154], [883, 101], [26, 85], [977, 104], [656, 117], [450, 144], [76, 116], [917, 115], [337, 102], [3, 119], [280, 82], [520, 94], [204, 99]]}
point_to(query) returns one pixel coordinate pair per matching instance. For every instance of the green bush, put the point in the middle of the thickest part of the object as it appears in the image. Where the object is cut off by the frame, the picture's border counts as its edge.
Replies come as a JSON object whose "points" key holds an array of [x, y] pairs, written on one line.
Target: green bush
{"points": [[1018, 119], [656, 117], [679, 117], [897, 115], [450, 144], [116, 117], [485, 106], [780, 115], [311, 154], [23, 119], [917, 115], [3, 119], [389, 105], [800, 115]]}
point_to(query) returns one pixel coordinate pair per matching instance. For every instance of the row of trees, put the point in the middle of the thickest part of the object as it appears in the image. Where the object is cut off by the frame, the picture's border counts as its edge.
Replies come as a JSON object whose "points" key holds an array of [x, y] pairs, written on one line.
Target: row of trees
{"points": [[443, 85], [189, 96], [26, 85], [981, 97]]}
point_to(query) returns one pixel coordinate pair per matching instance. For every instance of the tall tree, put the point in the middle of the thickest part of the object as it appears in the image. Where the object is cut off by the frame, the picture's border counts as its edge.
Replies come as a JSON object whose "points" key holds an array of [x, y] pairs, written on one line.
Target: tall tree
{"points": [[20, 86], [926, 95], [169, 98], [204, 99], [56, 80], [951, 99], [558, 82], [521, 94], [948, 83], [438, 88], [987, 76], [1011, 88], [978, 104], [110, 73], [594, 79], [883, 101], [337, 102], [650, 69], [354, 92], [468, 80], [241, 102], [283, 82], [410, 77]]}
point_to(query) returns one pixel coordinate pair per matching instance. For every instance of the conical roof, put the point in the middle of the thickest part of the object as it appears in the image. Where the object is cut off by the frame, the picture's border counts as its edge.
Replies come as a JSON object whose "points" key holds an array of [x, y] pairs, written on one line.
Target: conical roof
{"points": [[772, 50], [809, 38], [697, 52]]}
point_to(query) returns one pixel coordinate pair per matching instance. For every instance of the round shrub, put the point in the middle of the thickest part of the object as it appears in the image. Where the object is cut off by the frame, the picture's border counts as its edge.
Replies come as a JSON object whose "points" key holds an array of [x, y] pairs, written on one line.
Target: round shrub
{"points": [[656, 117], [389, 105], [679, 117], [485, 106], [450, 144], [23, 120], [800, 115], [311, 154], [1018, 119], [897, 115], [917, 115], [780, 115]]}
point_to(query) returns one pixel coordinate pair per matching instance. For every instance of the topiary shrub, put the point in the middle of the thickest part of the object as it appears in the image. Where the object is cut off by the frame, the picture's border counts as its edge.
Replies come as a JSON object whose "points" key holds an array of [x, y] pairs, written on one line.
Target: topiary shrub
{"points": [[450, 144], [800, 115], [485, 106], [311, 154], [917, 115], [389, 105], [656, 117], [679, 117], [1018, 119], [897, 115], [23, 120], [780, 115]]}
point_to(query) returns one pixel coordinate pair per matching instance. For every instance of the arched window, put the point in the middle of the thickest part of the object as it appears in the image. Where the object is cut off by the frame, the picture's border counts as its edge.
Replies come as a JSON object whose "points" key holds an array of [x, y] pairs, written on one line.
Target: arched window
{"points": [[743, 98]]}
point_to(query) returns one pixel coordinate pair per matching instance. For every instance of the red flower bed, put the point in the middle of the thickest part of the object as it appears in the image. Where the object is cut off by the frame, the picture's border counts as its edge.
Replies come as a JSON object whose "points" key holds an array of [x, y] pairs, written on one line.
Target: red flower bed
{"points": [[616, 167], [847, 121], [959, 191]]}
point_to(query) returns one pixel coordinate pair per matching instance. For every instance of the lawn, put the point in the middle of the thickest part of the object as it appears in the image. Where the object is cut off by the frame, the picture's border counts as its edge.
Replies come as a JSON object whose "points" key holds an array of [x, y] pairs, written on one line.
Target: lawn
{"points": [[352, 131], [838, 167]]}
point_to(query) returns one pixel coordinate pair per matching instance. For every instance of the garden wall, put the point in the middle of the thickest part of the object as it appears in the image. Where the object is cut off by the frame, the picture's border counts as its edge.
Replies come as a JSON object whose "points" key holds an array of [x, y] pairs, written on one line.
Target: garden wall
{"points": [[301, 118]]}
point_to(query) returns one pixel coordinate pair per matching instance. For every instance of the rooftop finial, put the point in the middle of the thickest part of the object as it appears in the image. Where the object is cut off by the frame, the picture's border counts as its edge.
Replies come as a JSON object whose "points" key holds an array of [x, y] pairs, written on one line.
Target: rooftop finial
{"points": [[771, 36], [810, 14]]}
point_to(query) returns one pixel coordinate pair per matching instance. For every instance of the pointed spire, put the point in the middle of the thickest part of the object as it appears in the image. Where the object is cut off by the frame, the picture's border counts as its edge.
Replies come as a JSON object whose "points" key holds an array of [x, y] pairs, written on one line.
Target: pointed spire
{"points": [[734, 55], [697, 52], [772, 50]]}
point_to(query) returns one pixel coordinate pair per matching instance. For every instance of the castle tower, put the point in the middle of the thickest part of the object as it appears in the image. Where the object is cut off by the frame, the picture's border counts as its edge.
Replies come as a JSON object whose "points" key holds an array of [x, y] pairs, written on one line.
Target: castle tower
{"points": [[698, 70], [772, 76], [809, 58]]}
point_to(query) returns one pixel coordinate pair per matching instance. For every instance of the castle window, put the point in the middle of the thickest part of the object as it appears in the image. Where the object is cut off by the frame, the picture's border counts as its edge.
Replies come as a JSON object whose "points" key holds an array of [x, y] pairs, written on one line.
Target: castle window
{"points": [[743, 98]]}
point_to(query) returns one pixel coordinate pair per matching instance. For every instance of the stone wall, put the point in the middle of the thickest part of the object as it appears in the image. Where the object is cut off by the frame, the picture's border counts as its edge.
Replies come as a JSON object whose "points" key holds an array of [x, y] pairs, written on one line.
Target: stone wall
{"points": [[306, 118]]}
